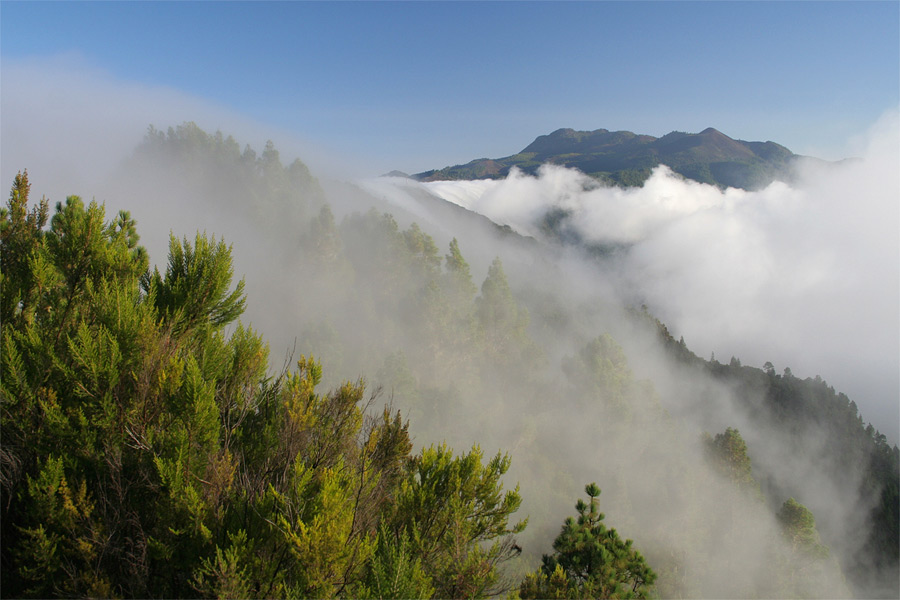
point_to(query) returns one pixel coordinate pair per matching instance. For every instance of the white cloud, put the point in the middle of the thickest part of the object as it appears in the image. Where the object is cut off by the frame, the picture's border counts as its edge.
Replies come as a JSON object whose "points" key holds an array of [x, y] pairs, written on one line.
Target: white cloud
{"points": [[805, 276], [70, 124]]}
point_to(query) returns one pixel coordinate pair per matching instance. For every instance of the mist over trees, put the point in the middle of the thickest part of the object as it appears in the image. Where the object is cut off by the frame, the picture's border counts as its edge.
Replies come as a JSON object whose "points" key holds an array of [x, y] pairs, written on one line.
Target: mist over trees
{"points": [[147, 452], [152, 445]]}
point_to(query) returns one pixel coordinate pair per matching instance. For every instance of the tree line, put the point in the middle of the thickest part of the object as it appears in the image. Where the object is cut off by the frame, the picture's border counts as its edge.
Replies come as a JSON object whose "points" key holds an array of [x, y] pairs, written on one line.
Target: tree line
{"points": [[152, 447], [148, 451]]}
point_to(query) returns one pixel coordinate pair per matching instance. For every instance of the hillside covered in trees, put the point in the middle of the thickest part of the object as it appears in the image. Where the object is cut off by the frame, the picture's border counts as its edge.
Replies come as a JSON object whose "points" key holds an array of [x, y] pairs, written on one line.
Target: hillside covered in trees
{"points": [[341, 399]]}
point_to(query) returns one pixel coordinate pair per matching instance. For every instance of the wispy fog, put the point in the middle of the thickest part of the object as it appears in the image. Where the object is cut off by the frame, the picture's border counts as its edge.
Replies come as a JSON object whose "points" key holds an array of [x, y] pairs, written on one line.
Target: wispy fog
{"points": [[805, 276], [71, 124]]}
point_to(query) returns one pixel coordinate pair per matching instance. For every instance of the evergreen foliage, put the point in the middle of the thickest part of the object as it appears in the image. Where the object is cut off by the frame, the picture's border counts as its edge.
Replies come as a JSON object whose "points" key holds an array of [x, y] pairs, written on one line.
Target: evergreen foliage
{"points": [[590, 561], [20, 234], [213, 165], [807, 568], [457, 517], [728, 453], [792, 409], [799, 528], [394, 571], [502, 322], [601, 370], [146, 452], [195, 288], [149, 450]]}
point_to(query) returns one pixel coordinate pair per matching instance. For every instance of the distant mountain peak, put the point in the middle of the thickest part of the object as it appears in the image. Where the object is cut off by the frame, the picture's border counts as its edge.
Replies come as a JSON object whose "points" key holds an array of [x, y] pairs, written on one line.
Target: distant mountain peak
{"points": [[396, 173], [625, 158]]}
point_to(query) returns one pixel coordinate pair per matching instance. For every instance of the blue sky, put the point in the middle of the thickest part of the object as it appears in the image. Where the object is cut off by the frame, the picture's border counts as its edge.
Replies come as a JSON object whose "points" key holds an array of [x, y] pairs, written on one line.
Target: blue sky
{"points": [[416, 85]]}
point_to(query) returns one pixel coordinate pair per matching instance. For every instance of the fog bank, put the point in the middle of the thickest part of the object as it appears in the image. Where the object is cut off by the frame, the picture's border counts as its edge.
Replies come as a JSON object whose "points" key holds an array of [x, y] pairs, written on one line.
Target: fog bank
{"points": [[804, 276], [773, 275]]}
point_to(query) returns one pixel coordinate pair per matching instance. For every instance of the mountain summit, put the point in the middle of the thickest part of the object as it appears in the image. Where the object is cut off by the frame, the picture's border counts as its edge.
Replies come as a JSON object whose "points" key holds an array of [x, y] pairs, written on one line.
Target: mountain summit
{"points": [[625, 158]]}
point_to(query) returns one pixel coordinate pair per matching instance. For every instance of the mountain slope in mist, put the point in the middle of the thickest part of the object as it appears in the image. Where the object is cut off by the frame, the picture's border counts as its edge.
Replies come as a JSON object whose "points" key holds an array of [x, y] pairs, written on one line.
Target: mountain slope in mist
{"points": [[786, 408], [778, 274], [370, 295], [480, 335], [625, 158]]}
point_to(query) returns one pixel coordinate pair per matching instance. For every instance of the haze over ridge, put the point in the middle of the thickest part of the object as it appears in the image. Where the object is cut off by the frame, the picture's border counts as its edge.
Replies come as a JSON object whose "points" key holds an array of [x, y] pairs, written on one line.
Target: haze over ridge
{"points": [[73, 156], [804, 276], [801, 273], [275, 272]]}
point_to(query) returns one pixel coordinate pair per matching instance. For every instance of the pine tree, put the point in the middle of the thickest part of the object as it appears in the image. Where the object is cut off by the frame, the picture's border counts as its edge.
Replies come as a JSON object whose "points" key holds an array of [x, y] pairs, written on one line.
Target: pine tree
{"points": [[806, 569], [601, 369], [195, 287], [502, 322], [21, 233], [323, 241], [590, 561], [799, 528], [459, 278], [728, 453]]}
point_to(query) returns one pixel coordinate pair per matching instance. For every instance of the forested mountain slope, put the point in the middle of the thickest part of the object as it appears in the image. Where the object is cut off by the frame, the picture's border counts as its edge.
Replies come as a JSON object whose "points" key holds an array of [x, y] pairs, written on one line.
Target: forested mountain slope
{"points": [[153, 445], [788, 408]]}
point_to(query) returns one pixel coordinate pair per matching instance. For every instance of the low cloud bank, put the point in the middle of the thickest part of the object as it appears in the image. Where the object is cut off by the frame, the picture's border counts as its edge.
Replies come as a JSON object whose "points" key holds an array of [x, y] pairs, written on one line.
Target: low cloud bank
{"points": [[805, 276], [72, 124]]}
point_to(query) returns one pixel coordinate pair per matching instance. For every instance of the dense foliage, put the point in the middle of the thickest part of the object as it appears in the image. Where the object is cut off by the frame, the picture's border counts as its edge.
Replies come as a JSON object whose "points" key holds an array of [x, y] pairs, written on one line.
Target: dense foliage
{"points": [[147, 452], [235, 176], [789, 408], [151, 448], [590, 561]]}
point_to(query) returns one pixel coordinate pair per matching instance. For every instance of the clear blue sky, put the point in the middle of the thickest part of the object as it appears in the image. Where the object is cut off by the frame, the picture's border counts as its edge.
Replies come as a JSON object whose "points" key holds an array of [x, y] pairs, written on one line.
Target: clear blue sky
{"points": [[422, 85]]}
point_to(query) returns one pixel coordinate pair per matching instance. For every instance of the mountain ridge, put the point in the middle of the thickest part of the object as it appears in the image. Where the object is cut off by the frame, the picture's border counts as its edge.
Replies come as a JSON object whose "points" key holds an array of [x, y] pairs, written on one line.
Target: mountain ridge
{"points": [[625, 158]]}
